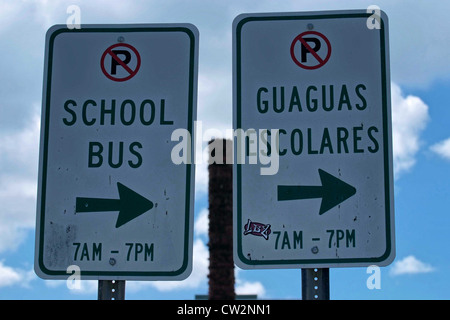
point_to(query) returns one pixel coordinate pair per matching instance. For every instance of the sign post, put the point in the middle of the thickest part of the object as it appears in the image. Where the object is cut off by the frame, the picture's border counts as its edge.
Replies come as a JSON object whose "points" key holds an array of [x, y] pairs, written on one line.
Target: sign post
{"points": [[110, 200], [111, 290], [312, 120], [316, 284]]}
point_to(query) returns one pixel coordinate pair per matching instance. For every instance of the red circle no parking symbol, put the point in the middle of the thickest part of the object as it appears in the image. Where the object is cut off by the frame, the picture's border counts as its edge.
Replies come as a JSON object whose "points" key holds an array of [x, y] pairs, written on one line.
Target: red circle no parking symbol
{"points": [[310, 50], [120, 62]]}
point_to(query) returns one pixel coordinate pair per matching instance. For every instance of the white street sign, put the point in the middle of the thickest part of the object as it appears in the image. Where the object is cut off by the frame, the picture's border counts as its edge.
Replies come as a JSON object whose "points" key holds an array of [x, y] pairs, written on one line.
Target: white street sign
{"points": [[111, 203], [312, 95]]}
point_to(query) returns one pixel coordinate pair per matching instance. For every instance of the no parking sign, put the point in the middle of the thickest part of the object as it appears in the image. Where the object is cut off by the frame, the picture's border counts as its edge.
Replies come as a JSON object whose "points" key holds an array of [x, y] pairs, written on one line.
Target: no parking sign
{"points": [[130, 57], [314, 89], [111, 201], [320, 52]]}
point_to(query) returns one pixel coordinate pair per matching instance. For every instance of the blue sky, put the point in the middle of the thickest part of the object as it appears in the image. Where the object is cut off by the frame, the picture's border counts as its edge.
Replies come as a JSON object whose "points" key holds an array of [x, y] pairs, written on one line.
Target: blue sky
{"points": [[419, 49]]}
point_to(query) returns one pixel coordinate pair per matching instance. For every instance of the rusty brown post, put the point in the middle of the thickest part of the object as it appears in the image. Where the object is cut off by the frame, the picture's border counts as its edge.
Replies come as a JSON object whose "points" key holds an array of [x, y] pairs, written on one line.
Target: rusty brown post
{"points": [[221, 265]]}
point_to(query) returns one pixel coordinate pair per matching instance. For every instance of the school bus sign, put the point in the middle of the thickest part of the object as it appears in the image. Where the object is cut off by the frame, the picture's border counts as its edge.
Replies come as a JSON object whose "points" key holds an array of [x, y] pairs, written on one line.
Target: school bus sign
{"points": [[110, 200], [316, 86]]}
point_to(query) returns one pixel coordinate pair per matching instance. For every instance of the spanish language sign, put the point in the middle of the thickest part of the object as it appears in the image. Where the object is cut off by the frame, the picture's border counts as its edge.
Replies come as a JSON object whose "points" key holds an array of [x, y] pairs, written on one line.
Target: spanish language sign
{"points": [[312, 90]]}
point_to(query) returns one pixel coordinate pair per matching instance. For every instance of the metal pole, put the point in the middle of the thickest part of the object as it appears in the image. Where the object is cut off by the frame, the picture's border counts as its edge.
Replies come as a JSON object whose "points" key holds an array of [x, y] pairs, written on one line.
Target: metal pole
{"points": [[220, 198], [316, 284], [111, 290]]}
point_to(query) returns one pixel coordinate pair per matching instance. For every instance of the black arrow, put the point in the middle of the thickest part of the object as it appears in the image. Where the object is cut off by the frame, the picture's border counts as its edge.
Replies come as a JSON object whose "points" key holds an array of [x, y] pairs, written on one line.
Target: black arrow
{"points": [[130, 205], [333, 191]]}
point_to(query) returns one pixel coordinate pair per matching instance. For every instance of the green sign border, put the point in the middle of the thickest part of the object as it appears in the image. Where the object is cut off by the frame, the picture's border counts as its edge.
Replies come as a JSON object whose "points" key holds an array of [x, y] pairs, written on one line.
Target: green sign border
{"points": [[386, 142], [190, 123]]}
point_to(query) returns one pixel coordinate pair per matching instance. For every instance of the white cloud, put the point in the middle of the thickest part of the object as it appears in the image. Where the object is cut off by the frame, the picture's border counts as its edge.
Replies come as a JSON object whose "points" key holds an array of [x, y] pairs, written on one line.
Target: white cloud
{"points": [[247, 287], [81, 287], [199, 271], [85, 287], [214, 98], [201, 177], [409, 119], [197, 278], [410, 265], [20, 148], [243, 286], [201, 225], [13, 276], [442, 148], [18, 184]]}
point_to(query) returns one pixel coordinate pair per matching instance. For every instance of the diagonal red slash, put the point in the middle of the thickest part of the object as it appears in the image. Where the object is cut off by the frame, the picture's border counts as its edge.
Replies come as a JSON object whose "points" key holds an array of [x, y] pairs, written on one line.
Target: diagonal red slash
{"points": [[115, 57], [131, 73], [320, 61], [308, 47]]}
